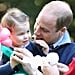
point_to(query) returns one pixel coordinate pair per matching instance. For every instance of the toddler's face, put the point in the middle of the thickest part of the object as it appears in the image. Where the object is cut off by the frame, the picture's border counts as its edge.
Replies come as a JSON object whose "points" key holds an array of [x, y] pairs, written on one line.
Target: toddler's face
{"points": [[21, 35]]}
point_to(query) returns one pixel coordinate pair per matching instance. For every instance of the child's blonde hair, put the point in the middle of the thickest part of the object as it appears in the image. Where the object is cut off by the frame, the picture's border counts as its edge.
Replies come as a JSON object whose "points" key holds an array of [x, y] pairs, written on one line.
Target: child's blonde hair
{"points": [[13, 17]]}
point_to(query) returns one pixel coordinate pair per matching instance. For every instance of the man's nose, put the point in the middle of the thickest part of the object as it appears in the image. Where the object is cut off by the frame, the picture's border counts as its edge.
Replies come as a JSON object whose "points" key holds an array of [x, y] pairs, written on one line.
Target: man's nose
{"points": [[37, 31]]}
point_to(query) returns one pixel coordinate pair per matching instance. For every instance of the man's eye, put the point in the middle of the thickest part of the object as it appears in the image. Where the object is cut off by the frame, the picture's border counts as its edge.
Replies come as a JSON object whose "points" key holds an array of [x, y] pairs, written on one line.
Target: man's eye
{"points": [[45, 30]]}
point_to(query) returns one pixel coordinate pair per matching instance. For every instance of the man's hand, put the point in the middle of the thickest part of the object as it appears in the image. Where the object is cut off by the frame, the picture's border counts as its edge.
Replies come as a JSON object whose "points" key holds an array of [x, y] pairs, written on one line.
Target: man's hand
{"points": [[62, 67], [18, 55], [47, 69], [24, 57]]}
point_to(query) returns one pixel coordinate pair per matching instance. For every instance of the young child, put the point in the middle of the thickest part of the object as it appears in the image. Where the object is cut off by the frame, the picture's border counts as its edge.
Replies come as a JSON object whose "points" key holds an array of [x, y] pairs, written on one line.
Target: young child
{"points": [[17, 23]]}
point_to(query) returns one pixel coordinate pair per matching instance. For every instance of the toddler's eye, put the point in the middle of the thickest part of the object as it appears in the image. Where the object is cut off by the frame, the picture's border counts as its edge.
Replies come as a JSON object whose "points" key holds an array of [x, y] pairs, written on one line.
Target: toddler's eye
{"points": [[21, 33], [28, 31]]}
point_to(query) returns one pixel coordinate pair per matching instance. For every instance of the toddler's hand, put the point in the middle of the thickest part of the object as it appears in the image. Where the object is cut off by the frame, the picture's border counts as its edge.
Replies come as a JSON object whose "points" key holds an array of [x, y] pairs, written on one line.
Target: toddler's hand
{"points": [[44, 45]]}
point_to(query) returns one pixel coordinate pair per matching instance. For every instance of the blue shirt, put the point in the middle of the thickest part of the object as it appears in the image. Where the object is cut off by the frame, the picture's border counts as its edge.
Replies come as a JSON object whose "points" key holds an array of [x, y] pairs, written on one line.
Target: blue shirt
{"points": [[63, 40]]}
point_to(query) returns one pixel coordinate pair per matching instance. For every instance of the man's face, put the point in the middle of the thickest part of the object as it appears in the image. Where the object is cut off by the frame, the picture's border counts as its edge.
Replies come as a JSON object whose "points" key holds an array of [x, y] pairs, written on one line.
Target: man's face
{"points": [[21, 34], [45, 28]]}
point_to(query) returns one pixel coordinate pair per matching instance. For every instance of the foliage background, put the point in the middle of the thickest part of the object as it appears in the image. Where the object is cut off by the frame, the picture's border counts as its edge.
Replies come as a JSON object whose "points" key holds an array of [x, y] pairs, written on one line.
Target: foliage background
{"points": [[32, 8]]}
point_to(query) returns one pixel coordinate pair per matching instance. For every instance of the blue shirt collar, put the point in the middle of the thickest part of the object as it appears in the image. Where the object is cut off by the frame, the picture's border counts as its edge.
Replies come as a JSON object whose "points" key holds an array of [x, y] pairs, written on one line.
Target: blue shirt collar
{"points": [[63, 40]]}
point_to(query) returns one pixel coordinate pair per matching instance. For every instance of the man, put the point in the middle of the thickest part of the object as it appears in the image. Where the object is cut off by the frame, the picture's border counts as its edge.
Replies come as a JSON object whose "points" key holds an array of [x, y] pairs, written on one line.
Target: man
{"points": [[51, 26]]}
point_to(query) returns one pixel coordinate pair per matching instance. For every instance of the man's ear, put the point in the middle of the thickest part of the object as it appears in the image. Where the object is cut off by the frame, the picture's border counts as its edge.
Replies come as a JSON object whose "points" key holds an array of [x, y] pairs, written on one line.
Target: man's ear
{"points": [[63, 30]]}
